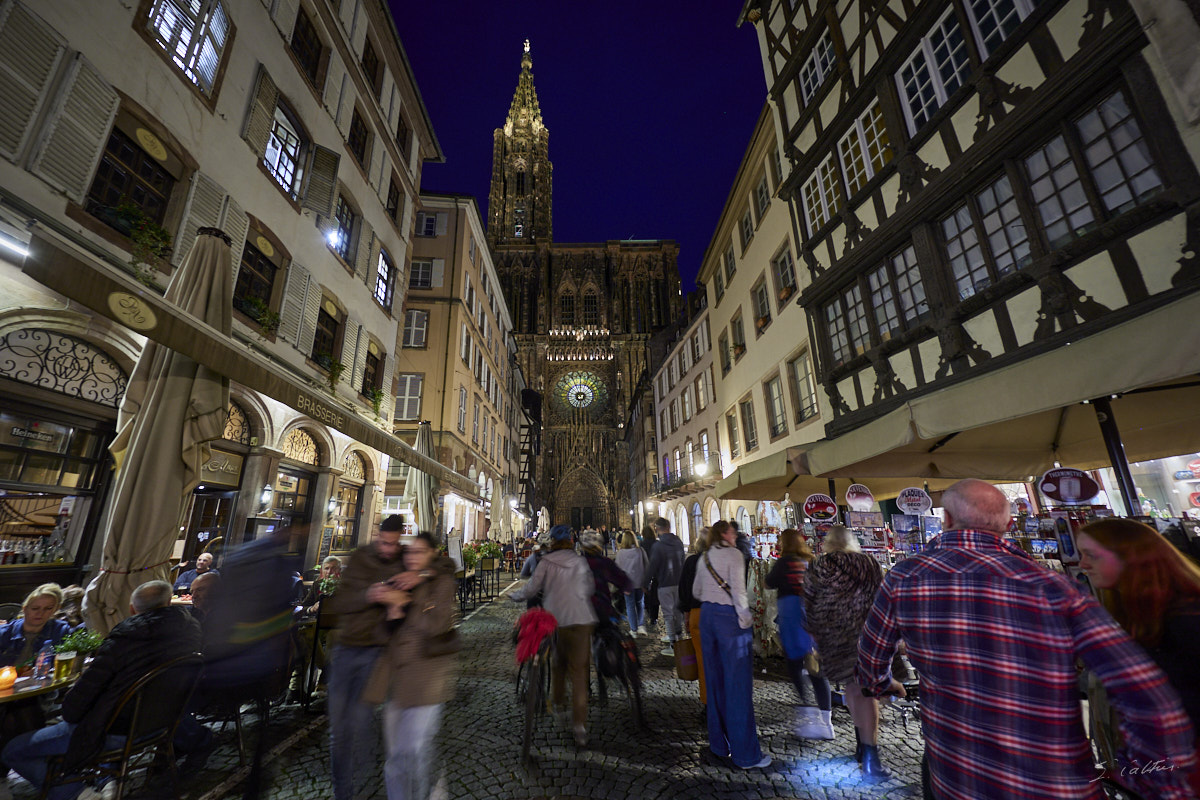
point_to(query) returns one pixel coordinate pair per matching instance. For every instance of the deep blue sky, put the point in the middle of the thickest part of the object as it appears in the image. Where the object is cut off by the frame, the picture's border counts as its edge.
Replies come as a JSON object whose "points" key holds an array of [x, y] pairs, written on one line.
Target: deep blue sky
{"points": [[649, 105]]}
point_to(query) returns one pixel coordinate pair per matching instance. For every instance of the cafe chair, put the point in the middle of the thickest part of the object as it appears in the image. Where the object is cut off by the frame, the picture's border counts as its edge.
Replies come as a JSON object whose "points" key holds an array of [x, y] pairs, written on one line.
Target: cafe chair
{"points": [[153, 706], [9, 611]]}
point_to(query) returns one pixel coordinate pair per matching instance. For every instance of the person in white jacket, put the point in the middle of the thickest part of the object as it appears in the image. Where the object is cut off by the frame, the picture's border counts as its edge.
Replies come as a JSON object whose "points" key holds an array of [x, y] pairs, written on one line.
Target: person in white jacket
{"points": [[632, 560], [565, 581]]}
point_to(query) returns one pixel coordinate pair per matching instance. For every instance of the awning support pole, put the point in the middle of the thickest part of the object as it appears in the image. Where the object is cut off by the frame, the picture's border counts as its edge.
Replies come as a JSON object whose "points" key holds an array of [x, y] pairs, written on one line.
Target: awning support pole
{"points": [[1116, 454]]}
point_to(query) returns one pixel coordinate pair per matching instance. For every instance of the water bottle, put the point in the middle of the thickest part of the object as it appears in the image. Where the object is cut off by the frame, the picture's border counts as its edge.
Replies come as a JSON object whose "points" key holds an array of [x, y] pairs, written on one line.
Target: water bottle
{"points": [[44, 666]]}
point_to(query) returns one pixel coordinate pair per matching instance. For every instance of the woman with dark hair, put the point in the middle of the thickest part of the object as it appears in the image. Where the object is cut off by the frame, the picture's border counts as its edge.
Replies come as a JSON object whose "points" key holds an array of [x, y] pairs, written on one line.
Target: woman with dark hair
{"points": [[787, 578], [726, 639], [838, 592], [566, 584], [413, 681], [1153, 591], [651, 587]]}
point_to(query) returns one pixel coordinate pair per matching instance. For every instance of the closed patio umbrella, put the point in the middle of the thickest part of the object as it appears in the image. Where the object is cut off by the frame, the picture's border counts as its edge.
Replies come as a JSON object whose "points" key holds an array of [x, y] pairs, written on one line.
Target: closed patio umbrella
{"points": [[421, 488], [171, 409]]}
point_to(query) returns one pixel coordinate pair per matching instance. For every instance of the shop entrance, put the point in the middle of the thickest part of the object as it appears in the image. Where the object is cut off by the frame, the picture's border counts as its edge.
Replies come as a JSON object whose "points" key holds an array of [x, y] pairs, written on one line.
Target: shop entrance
{"points": [[208, 524], [292, 506]]}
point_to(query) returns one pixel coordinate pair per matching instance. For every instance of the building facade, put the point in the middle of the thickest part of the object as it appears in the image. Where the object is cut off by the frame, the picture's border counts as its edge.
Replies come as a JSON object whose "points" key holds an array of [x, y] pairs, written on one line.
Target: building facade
{"points": [[687, 419], [298, 130], [763, 371], [995, 209], [583, 316], [456, 368]]}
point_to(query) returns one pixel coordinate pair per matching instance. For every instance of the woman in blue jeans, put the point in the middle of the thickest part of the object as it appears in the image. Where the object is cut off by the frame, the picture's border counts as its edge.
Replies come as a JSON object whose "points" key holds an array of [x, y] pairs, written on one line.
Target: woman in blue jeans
{"points": [[633, 561], [727, 643]]}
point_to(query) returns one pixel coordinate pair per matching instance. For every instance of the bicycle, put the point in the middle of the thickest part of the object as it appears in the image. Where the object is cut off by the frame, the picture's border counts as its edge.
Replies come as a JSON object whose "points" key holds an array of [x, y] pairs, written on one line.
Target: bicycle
{"points": [[533, 689], [615, 654]]}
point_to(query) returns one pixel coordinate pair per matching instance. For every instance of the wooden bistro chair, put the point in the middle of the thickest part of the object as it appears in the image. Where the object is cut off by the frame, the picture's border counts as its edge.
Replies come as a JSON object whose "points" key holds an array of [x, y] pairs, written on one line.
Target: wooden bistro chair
{"points": [[158, 700], [325, 622], [9, 611]]}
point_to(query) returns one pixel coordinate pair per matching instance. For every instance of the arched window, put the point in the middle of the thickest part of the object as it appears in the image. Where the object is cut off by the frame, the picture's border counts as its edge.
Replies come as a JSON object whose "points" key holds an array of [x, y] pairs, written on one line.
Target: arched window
{"points": [[591, 308], [566, 308], [697, 518], [62, 364], [299, 445], [681, 524], [691, 457], [237, 427]]}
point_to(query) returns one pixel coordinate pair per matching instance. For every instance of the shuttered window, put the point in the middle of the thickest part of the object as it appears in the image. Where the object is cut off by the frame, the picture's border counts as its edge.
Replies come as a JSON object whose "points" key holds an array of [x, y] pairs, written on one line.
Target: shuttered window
{"points": [[255, 282], [193, 34], [371, 373], [127, 181], [385, 280], [408, 396]]}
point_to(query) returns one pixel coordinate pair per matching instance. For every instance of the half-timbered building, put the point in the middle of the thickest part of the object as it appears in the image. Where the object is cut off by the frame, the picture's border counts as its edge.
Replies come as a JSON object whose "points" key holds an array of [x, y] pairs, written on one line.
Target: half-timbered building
{"points": [[994, 202]]}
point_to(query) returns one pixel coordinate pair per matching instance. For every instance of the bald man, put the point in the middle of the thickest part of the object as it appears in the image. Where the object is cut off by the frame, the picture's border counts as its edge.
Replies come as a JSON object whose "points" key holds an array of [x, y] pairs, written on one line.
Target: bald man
{"points": [[995, 637], [204, 562]]}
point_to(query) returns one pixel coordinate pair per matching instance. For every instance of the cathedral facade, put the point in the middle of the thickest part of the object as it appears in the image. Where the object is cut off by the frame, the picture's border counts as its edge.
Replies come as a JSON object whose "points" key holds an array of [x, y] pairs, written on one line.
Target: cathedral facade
{"points": [[583, 318]]}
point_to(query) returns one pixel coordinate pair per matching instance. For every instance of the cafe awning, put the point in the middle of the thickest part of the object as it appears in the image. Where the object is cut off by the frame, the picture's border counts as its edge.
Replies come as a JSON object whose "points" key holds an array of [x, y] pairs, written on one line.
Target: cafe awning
{"points": [[74, 274], [1019, 420], [785, 473]]}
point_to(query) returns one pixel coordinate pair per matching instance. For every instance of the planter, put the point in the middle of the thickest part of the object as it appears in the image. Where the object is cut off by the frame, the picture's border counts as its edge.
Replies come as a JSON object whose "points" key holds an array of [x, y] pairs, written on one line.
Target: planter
{"points": [[785, 293], [488, 563]]}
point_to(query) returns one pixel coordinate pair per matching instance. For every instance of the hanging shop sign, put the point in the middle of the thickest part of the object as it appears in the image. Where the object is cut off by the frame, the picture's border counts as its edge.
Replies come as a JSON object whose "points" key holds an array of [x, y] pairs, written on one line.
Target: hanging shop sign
{"points": [[914, 500], [1068, 485], [223, 469], [820, 507], [1194, 467], [859, 497], [1194, 499]]}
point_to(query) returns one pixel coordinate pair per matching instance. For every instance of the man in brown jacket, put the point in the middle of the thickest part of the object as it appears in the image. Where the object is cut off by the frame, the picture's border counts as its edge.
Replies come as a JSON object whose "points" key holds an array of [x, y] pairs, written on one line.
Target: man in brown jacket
{"points": [[359, 604]]}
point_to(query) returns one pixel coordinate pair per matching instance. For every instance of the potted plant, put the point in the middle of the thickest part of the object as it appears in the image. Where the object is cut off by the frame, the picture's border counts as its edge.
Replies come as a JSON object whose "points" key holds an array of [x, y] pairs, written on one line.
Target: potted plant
{"points": [[260, 312], [376, 398], [738, 350], [785, 293], [489, 555], [150, 241], [762, 322], [333, 369], [82, 643], [470, 555]]}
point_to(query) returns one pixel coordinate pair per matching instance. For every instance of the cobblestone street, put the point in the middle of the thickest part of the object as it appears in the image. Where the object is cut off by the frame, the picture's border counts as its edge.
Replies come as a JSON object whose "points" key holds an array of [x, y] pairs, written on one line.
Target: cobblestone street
{"points": [[479, 744]]}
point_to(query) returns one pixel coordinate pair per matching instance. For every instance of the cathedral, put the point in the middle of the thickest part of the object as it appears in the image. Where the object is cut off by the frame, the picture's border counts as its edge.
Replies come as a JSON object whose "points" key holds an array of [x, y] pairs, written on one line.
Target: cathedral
{"points": [[583, 317]]}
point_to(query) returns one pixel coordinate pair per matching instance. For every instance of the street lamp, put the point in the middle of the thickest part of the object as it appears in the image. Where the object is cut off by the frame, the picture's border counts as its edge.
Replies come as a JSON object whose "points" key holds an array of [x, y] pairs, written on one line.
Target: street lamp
{"points": [[265, 498], [702, 469], [331, 506]]}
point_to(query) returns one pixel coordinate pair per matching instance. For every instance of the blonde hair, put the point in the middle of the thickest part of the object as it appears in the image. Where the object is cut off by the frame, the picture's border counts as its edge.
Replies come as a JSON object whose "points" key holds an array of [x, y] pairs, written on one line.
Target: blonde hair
{"points": [[700, 543], [716, 534], [45, 590], [628, 540], [840, 540]]}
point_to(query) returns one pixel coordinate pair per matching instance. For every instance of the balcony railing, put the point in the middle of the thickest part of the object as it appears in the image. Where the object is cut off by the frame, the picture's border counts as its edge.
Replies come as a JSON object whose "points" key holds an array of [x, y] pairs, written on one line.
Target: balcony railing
{"points": [[702, 474]]}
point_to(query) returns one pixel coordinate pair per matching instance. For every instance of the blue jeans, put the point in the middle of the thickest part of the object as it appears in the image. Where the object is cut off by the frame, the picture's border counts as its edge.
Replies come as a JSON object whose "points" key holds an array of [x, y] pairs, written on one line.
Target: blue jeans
{"points": [[409, 734], [350, 719], [729, 676], [29, 753], [635, 609]]}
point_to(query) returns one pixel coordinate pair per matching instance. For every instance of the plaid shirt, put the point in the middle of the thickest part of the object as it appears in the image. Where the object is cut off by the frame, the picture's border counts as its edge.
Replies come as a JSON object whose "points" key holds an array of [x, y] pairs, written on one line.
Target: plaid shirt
{"points": [[995, 637]]}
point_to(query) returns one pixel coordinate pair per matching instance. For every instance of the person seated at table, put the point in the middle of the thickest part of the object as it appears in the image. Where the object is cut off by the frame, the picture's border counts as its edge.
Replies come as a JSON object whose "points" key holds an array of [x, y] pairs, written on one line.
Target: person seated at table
{"points": [[71, 609], [204, 591], [183, 583], [331, 567], [156, 633], [20, 641]]}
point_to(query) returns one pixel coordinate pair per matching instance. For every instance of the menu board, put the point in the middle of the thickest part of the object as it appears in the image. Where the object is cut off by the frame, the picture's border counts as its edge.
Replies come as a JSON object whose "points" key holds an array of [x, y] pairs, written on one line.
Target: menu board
{"points": [[864, 519]]}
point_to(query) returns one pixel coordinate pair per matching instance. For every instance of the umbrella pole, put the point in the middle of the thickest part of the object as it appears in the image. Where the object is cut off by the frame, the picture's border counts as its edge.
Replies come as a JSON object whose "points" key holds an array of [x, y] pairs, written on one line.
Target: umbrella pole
{"points": [[1116, 454]]}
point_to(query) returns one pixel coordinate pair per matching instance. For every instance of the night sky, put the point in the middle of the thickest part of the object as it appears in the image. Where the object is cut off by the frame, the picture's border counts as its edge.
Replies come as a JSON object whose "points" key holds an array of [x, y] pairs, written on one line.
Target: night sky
{"points": [[649, 105]]}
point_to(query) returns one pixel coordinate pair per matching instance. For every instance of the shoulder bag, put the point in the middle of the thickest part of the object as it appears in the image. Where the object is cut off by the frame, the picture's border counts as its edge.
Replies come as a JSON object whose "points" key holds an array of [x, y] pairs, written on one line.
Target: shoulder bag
{"points": [[720, 581]]}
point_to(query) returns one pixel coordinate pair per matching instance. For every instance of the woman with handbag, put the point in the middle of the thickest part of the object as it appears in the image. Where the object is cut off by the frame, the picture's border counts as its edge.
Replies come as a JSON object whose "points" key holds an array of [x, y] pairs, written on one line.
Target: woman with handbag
{"points": [[689, 606], [787, 578], [415, 674], [726, 640]]}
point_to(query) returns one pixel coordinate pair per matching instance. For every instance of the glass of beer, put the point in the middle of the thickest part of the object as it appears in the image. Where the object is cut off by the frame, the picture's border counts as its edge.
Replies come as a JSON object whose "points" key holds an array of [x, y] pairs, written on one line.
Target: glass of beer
{"points": [[63, 664]]}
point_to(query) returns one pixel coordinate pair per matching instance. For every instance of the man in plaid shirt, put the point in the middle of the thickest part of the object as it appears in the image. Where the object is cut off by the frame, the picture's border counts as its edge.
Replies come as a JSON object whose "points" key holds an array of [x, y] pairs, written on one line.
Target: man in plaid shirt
{"points": [[995, 637]]}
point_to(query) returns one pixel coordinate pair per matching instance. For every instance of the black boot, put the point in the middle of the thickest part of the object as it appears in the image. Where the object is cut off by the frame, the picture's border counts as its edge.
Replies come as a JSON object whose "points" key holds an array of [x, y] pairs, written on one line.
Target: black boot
{"points": [[858, 747], [872, 767]]}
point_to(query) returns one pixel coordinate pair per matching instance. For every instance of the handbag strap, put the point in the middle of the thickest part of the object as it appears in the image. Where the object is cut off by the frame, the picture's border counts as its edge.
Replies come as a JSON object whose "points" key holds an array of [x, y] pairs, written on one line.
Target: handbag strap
{"points": [[720, 581]]}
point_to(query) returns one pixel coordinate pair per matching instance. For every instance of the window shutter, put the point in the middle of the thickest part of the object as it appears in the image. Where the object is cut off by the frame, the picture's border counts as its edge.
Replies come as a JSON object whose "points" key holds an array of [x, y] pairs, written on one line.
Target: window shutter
{"points": [[333, 84], [293, 302], [438, 273], [343, 112], [350, 331], [389, 391], [285, 17], [363, 261], [385, 174], [360, 356], [203, 209], [205, 200], [235, 224], [30, 52], [441, 223], [321, 183], [308, 322], [75, 133], [262, 112]]}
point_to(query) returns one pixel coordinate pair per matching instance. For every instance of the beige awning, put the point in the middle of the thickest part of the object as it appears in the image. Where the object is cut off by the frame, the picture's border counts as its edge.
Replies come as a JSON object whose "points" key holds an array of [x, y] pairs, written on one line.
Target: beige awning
{"points": [[1017, 421], [127, 302], [784, 473]]}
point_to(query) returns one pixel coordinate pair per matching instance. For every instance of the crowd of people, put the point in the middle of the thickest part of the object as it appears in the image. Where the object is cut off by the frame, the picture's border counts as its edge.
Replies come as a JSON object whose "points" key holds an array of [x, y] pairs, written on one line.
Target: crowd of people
{"points": [[1002, 647]]}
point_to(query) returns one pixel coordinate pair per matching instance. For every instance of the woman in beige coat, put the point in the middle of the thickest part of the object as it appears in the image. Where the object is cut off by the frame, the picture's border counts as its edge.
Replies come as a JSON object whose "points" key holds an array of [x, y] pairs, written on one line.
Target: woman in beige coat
{"points": [[413, 682]]}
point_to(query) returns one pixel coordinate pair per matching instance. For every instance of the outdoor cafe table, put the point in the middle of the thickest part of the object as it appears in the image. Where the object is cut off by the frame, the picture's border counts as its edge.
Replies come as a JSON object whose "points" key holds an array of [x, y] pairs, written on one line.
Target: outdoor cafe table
{"points": [[11, 695]]}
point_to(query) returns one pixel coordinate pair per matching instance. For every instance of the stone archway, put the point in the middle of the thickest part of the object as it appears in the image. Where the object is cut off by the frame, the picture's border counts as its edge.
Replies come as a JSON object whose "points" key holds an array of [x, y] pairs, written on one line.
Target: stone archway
{"points": [[582, 501]]}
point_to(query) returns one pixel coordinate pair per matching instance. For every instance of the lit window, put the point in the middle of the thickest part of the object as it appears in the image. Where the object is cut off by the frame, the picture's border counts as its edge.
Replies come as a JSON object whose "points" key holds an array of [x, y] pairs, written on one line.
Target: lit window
{"points": [[385, 280], [193, 34], [339, 238], [865, 149], [285, 147]]}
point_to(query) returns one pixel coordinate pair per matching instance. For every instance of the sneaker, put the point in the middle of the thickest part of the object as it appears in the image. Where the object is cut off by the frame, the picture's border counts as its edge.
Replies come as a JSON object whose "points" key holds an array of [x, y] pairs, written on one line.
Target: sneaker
{"points": [[580, 735], [664, 638], [669, 652], [766, 762], [642, 631]]}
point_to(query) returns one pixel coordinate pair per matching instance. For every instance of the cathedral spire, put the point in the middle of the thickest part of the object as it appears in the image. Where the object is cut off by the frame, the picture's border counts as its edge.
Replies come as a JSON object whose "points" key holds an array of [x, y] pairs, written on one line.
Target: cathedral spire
{"points": [[520, 199], [524, 109]]}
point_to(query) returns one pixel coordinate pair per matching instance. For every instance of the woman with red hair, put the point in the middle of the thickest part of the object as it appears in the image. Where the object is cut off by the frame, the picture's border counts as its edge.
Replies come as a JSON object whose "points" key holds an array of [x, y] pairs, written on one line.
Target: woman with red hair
{"points": [[1153, 591]]}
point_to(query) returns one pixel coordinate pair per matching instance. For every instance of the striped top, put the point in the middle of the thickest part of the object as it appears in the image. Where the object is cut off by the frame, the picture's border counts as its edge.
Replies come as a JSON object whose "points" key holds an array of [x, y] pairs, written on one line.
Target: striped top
{"points": [[995, 637]]}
